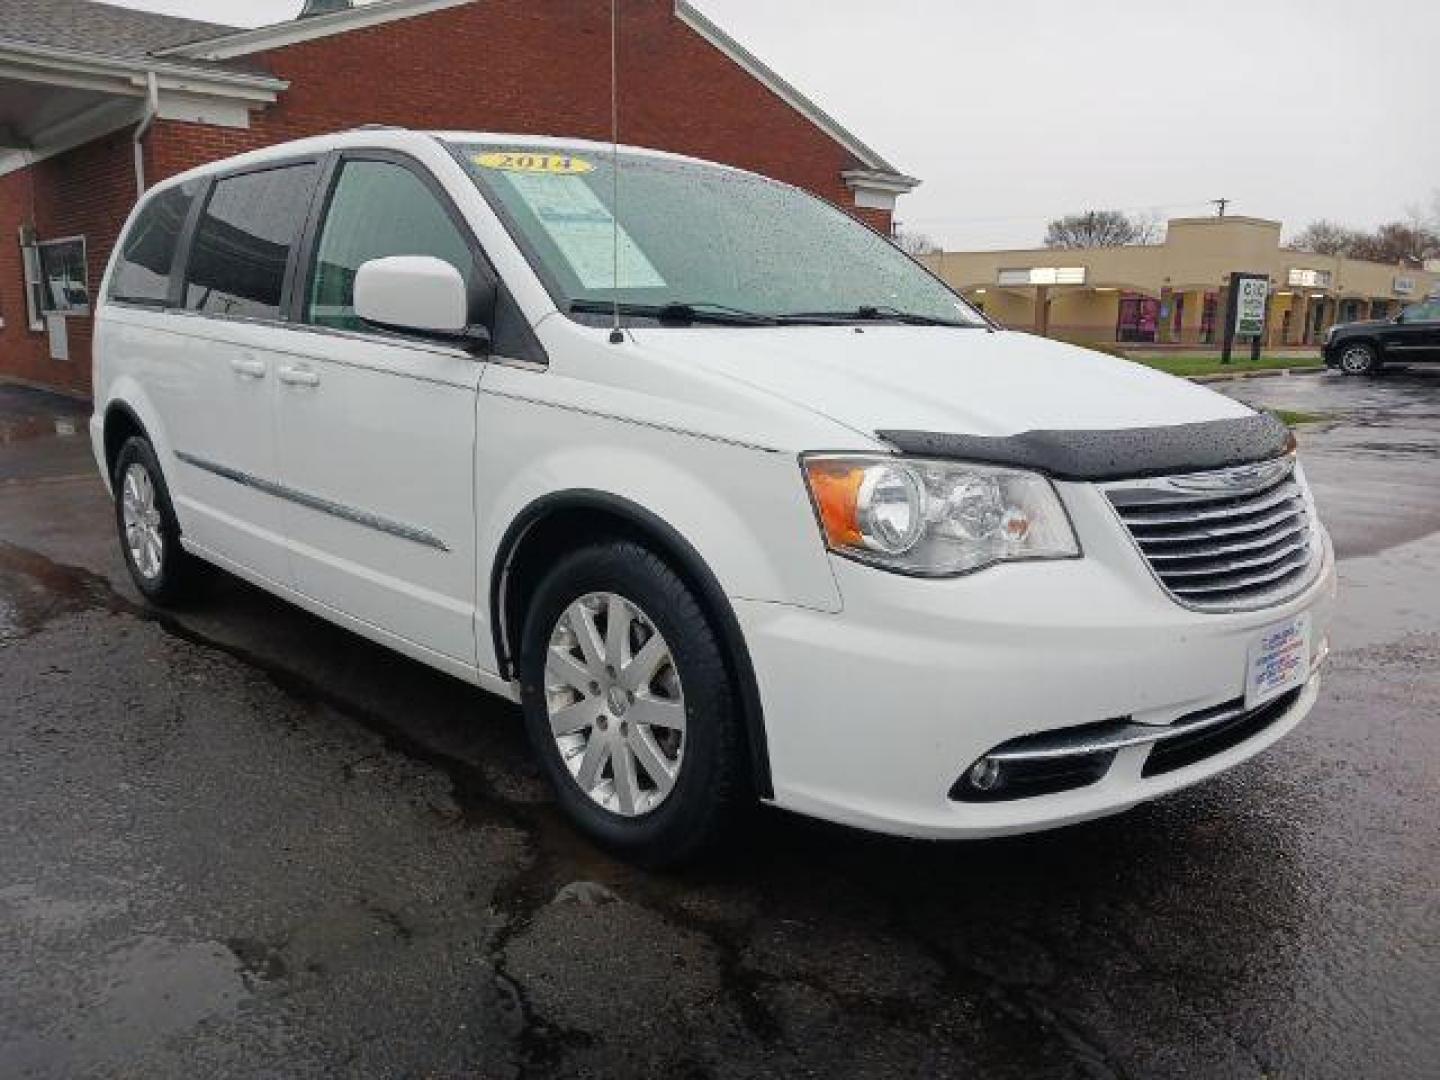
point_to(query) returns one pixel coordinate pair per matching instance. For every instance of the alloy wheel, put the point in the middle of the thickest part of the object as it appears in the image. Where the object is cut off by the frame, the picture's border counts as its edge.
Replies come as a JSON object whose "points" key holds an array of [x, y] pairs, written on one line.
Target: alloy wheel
{"points": [[1356, 360], [141, 518], [615, 704]]}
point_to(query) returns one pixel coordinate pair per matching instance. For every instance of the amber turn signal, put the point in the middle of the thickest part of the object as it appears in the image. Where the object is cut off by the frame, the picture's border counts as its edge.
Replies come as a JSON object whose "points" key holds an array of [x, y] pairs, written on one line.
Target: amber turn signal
{"points": [[835, 486]]}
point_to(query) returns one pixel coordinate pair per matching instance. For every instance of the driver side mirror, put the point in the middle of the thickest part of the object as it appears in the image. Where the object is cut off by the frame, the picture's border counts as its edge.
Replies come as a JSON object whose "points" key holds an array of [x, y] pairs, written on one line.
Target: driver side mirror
{"points": [[419, 295]]}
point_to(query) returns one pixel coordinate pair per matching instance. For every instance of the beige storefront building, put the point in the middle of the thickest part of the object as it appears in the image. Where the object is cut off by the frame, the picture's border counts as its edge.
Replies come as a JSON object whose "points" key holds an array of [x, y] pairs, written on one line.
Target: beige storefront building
{"points": [[1174, 293]]}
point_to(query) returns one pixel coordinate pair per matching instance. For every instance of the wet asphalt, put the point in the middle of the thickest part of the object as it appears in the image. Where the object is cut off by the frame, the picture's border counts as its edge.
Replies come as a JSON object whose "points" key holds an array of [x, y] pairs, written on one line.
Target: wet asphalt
{"points": [[237, 841]]}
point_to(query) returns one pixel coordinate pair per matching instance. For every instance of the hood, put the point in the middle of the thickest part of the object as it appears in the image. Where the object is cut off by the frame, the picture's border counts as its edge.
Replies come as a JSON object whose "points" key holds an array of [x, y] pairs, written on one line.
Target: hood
{"points": [[942, 379], [1359, 324]]}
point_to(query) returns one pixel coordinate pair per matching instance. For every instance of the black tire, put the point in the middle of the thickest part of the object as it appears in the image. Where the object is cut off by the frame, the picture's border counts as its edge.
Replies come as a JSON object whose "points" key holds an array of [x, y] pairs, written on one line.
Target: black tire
{"points": [[1358, 358], [178, 575], [712, 789]]}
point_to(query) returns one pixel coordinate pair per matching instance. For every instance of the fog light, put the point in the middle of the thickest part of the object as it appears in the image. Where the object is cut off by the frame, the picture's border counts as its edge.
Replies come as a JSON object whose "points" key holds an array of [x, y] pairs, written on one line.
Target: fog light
{"points": [[985, 774]]}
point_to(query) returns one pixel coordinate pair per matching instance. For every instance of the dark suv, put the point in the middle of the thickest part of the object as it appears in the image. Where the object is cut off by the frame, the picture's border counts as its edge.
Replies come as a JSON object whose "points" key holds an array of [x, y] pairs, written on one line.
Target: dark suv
{"points": [[1359, 348]]}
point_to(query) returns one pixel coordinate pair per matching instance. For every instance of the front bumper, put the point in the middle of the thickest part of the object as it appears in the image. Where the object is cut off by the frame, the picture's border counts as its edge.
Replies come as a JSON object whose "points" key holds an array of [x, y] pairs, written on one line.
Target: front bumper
{"points": [[873, 713]]}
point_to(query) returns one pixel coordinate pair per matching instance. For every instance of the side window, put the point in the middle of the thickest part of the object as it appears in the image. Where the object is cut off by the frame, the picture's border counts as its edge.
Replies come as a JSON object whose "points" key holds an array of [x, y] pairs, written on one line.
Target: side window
{"points": [[142, 272], [378, 209], [1425, 311], [244, 239]]}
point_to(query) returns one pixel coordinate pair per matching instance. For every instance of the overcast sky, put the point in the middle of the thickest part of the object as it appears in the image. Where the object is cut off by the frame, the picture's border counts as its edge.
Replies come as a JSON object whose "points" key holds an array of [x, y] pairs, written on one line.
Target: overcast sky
{"points": [[1017, 111]]}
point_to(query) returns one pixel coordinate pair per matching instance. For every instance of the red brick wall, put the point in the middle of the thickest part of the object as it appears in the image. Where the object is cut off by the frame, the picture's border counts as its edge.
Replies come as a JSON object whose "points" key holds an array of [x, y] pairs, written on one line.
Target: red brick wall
{"points": [[85, 192], [531, 66], [538, 68]]}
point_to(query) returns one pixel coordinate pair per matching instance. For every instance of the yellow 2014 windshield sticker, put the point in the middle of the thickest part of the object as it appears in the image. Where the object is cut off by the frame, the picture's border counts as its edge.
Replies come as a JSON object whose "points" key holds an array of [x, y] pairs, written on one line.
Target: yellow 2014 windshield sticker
{"points": [[533, 162]]}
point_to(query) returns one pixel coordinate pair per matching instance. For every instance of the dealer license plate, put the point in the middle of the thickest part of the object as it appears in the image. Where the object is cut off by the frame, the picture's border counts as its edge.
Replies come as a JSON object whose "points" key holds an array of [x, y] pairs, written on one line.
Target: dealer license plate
{"points": [[1279, 661]]}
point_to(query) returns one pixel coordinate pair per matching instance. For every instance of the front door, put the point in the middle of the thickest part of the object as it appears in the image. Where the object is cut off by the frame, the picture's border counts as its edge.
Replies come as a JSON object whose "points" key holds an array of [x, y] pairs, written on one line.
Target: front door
{"points": [[377, 431], [1416, 336], [216, 382]]}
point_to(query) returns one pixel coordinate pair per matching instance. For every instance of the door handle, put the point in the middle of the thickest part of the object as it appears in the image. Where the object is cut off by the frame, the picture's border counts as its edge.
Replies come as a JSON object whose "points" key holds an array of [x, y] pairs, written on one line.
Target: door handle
{"points": [[251, 369], [294, 376]]}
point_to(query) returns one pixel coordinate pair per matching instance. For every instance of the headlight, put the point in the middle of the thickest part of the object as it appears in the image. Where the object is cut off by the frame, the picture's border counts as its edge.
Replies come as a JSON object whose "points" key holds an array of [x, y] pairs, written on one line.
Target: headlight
{"points": [[935, 518]]}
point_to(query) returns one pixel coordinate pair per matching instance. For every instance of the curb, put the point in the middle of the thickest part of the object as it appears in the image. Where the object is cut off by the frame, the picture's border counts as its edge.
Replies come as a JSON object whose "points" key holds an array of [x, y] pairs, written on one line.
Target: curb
{"points": [[1265, 373]]}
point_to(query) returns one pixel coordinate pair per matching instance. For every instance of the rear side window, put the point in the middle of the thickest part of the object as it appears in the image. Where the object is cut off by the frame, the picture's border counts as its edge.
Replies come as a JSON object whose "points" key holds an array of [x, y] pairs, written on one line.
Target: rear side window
{"points": [[244, 239], [378, 209], [142, 273]]}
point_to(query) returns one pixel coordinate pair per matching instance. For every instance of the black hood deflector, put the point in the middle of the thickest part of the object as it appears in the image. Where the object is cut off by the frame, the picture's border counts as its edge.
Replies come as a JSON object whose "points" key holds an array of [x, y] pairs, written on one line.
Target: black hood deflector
{"points": [[1120, 454]]}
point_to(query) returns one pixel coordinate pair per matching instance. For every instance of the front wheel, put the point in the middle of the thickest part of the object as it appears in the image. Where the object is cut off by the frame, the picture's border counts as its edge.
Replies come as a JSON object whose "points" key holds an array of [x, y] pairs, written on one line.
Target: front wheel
{"points": [[1359, 358], [629, 706]]}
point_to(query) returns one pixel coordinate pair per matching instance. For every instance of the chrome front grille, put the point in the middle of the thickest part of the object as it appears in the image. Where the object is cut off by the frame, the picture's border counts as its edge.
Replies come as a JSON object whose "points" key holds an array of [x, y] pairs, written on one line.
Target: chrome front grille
{"points": [[1228, 540]]}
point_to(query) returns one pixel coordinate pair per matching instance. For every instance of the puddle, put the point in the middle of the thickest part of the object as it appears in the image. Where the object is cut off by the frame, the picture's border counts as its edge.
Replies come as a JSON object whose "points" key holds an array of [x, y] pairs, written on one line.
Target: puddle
{"points": [[139, 994], [35, 590]]}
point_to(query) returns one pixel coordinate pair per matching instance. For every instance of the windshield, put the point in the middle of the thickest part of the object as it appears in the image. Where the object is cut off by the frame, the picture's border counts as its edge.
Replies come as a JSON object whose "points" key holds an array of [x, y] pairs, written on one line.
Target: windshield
{"points": [[698, 242]]}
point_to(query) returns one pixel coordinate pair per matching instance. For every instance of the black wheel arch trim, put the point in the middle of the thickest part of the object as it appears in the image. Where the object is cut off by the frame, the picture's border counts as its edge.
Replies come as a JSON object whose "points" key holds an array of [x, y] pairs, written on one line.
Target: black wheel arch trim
{"points": [[1373, 343], [672, 545], [120, 408]]}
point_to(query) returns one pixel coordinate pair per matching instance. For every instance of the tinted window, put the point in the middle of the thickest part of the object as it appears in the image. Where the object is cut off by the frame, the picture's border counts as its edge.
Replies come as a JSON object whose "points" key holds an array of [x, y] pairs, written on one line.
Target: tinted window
{"points": [[142, 273], [378, 209], [243, 241]]}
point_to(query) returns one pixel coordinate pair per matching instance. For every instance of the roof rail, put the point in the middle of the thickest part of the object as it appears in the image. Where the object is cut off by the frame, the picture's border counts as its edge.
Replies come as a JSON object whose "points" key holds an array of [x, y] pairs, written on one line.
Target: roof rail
{"points": [[379, 127]]}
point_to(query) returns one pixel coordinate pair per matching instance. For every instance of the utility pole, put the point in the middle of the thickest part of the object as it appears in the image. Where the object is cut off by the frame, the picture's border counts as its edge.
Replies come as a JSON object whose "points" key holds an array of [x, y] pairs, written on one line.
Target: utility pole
{"points": [[1220, 205]]}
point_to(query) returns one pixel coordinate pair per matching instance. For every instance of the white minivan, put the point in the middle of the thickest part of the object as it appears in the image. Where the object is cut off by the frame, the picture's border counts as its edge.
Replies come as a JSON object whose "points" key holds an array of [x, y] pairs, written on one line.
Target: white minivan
{"points": [[732, 496]]}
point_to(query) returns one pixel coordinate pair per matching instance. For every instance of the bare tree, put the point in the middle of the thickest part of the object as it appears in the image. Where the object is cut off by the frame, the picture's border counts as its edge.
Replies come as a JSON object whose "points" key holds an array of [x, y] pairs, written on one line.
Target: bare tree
{"points": [[1427, 217], [1407, 242], [1398, 242], [1149, 228], [914, 243], [1098, 228], [1325, 238]]}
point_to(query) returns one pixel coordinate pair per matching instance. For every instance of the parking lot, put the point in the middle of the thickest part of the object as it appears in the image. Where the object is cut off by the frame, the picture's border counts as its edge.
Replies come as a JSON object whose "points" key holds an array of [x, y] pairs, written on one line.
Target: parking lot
{"points": [[240, 841]]}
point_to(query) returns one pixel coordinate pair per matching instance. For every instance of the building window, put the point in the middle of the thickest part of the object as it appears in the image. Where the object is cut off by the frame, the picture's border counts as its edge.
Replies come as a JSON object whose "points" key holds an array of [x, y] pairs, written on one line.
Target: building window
{"points": [[1138, 317], [62, 270], [1207, 318], [55, 278]]}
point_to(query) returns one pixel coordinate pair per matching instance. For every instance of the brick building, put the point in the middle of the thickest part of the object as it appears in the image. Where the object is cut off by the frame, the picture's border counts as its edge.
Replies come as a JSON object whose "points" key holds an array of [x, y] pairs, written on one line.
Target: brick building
{"points": [[97, 102]]}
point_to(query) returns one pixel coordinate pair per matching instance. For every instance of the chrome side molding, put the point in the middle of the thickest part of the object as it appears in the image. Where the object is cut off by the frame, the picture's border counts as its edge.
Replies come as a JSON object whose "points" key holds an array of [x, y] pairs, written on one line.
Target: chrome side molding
{"points": [[413, 533]]}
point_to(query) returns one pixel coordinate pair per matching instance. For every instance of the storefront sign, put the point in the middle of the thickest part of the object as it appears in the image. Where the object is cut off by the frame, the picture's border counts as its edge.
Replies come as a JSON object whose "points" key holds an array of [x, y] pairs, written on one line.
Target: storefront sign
{"points": [[1250, 306], [1309, 279]]}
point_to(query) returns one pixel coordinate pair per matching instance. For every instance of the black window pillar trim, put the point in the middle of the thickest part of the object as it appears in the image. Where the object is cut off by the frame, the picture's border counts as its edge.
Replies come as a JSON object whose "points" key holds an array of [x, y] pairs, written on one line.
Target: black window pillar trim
{"points": [[180, 267]]}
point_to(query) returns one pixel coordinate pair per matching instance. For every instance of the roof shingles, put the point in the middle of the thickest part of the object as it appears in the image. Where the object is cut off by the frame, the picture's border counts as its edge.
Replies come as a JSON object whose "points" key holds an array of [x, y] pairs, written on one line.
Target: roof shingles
{"points": [[98, 29]]}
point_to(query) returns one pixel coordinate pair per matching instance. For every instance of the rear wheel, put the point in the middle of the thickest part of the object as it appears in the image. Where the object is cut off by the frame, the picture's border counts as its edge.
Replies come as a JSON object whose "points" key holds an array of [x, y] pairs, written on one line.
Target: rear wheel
{"points": [[1359, 358], [628, 704], [149, 532]]}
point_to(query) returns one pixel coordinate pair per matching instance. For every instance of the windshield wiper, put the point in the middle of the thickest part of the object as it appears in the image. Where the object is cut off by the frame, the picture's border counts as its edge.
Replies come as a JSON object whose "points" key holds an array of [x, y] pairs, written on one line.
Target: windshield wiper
{"points": [[878, 313], [690, 311]]}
